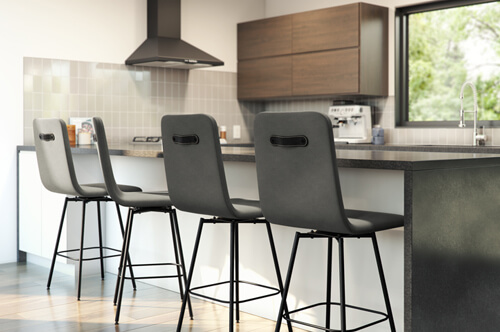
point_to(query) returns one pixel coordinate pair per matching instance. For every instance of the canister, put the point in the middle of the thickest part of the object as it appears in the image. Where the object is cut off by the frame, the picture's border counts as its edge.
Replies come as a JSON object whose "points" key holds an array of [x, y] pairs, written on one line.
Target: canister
{"points": [[377, 135]]}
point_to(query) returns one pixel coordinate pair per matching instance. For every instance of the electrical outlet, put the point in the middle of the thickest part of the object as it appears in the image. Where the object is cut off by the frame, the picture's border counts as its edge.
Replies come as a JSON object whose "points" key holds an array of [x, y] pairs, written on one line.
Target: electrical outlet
{"points": [[236, 132]]}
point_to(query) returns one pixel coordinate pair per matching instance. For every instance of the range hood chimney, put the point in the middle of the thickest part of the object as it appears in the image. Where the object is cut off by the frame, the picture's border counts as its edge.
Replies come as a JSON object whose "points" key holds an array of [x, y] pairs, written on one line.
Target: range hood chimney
{"points": [[164, 47]]}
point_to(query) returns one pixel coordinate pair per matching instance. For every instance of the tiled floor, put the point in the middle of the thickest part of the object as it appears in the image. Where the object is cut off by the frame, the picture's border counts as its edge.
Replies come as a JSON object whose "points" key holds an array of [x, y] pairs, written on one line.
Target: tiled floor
{"points": [[26, 305]]}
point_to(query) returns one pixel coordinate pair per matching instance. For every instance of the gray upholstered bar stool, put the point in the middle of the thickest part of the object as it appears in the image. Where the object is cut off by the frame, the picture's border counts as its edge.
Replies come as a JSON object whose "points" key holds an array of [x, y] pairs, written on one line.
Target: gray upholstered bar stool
{"points": [[299, 187], [197, 184], [138, 203], [57, 172]]}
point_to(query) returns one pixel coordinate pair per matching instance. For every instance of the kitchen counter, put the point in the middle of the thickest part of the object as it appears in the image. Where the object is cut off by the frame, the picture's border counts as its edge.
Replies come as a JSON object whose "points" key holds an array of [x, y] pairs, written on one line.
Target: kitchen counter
{"points": [[396, 157], [451, 230]]}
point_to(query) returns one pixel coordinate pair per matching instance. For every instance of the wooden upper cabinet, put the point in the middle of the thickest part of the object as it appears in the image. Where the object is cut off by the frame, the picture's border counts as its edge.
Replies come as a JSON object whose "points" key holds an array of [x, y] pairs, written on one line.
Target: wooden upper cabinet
{"points": [[263, 38], [265, 78], [321, 73], [326, 29], [337, 51]]}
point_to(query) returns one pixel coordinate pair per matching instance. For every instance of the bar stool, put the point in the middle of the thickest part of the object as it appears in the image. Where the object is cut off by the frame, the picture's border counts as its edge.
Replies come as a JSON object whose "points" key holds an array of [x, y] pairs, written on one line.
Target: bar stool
{"points": [[299, 187], [197, 184], [138, 203], [57, 172]]}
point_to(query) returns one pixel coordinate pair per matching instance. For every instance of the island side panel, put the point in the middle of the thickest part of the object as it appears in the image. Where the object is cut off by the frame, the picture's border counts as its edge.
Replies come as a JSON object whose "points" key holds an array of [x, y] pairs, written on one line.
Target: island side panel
{"points": [[455, 263], [408, 216]]}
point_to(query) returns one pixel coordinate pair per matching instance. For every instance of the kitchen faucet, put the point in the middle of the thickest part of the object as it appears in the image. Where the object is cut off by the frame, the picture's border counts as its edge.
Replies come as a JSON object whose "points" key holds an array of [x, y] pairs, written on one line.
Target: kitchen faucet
{"points": [[475, 136]]}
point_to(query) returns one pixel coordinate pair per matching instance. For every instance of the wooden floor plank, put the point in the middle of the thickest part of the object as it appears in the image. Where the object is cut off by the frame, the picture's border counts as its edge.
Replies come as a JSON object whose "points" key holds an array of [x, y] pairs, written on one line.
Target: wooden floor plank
{"points": [[26, 305]]}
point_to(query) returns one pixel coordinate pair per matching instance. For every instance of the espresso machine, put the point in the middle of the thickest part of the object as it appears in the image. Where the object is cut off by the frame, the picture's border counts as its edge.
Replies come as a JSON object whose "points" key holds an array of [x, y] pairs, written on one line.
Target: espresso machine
{"points": [[351, 123]]}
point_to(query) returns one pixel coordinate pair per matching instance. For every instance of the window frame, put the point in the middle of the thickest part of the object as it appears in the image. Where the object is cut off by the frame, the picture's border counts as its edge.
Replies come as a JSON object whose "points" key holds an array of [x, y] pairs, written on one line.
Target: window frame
{"points": [[401, 64]]}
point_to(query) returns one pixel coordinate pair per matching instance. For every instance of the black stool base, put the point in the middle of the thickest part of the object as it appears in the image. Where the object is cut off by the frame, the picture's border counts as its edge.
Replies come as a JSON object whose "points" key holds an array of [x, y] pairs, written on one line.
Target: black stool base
{"points": [[82, 249], [234, 278], [179, 264], [283, 314]]}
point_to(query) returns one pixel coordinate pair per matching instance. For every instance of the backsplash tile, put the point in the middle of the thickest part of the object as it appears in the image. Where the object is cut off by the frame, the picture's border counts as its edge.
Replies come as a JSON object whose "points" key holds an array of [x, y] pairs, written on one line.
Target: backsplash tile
{"points": [[384, 115], [130, 100]]}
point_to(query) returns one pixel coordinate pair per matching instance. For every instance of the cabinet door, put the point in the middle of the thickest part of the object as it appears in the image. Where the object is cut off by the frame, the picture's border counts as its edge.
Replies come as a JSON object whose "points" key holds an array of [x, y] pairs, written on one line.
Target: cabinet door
{"points": [[265, 78], [30, 204], [39, 210], [263, 38], [326, 73], [326, 29]]}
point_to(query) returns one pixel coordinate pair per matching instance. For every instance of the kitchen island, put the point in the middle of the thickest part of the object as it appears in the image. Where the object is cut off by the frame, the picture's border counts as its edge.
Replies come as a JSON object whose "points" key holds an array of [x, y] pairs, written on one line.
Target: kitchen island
{"points": [[449, 248]]}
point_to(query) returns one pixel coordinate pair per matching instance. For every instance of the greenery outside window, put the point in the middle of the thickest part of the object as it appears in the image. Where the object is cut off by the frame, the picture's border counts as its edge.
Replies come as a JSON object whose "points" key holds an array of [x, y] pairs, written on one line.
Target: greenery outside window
{"points": [[439, 46]]}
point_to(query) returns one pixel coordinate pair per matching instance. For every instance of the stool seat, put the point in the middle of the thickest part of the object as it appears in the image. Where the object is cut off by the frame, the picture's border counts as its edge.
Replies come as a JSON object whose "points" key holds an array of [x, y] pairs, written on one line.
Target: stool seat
{"points": [[99, 189], [246, 208], [145, 199], [57, 172], [363, 222], [197, 184], [296, 163], [138, 203]]}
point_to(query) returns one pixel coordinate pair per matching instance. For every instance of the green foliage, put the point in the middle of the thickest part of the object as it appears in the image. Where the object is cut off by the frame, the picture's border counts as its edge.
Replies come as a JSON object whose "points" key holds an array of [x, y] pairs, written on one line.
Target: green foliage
{"points": [[438, 46]]}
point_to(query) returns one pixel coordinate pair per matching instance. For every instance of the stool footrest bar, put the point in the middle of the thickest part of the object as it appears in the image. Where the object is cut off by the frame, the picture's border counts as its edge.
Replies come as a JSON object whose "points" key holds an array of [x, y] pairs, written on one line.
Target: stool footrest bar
{"points": [[275, 292], [62, 252], [157, 276], [385, 317]]}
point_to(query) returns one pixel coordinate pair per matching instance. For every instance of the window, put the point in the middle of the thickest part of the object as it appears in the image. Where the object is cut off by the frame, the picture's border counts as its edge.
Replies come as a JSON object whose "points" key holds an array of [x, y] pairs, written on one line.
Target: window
{"points": [[439, 46]]}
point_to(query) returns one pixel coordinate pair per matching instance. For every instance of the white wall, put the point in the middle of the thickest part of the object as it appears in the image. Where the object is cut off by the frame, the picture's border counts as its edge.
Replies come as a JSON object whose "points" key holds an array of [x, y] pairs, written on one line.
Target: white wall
{"points": [[89, 30], [282, 7], [211, 26]]}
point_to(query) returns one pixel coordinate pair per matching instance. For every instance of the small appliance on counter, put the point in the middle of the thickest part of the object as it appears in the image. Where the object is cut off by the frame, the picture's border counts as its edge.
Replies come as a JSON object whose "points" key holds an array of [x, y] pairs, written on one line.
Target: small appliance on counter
{"points": [[351, 123]]}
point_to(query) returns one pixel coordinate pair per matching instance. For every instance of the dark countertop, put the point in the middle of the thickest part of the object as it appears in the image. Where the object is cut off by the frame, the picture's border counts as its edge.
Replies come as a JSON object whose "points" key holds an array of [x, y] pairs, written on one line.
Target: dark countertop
{"points": [[422, 148], [395, 157]]}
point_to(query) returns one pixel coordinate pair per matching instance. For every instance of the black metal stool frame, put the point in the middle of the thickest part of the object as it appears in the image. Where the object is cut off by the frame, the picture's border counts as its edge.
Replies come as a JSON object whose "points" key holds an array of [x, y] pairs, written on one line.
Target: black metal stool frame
{"points": [[178, 253], [234, 278], [101, 257], [328, 303]]}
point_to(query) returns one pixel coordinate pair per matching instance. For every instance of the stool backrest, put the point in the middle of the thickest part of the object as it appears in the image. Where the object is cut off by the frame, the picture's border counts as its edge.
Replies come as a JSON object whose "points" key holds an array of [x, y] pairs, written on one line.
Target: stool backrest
{"points": [[193, 164], [107, 169], [297, 171], [53, 154]]}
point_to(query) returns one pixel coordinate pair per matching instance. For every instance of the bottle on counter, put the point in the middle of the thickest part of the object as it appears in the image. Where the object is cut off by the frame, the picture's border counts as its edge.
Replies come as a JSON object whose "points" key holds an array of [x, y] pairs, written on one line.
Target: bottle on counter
{"points": [[378, 135], [71, 134], [222, 135]]}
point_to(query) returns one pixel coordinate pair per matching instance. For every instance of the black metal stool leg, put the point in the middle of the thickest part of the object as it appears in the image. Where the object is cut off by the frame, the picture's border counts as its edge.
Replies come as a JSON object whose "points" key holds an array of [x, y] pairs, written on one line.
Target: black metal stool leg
{"points": [[176, 254], [329, 283], [120, 221], [99, 226], [288, 279], [237, 270], [383, 283], [231, 277], [82, 239], [190, 276], [277, 268], [342, 285], [178, 246], [56, 248], [123, 258], [123, 270]]}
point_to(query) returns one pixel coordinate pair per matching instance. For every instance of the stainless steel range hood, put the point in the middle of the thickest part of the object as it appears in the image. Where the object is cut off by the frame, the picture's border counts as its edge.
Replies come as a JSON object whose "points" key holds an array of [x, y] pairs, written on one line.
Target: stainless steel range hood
{"points": [[164, 47]]}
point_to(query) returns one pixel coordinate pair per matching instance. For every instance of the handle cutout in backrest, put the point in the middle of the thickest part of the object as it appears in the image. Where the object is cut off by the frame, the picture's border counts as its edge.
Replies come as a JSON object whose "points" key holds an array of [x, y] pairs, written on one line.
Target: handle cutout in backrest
{"points": [[47, 137], [186, 139], [289, 141]]}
